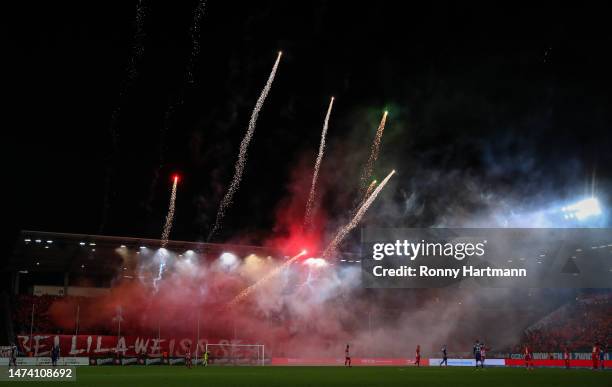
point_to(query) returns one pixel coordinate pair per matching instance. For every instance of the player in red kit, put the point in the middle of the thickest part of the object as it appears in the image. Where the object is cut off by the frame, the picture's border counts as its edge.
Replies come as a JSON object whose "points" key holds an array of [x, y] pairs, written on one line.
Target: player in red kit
{"points": [[528, 359], [347, 357], [595, 356], [417, 359], [566, 358], [188, 356], [483, 355]]}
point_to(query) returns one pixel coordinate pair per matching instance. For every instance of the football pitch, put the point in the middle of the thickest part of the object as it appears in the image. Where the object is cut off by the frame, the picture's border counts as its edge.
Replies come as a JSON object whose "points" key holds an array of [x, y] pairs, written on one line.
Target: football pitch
{"points": [[334, 376]]}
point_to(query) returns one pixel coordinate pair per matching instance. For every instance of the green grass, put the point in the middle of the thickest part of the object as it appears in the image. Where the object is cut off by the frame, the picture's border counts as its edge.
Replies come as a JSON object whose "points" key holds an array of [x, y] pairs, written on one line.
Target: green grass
{"points": [[168, 376]]}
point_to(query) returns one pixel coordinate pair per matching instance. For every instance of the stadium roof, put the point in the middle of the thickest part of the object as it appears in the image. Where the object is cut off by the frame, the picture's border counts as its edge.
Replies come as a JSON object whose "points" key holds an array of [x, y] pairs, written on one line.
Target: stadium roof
{"points": [[39, 251]]}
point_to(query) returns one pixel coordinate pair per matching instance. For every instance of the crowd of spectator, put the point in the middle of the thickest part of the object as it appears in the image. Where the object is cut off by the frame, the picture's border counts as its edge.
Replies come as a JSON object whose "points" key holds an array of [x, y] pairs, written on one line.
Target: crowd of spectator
{"points": [[27, 306], [577, 326], [23, 305]]}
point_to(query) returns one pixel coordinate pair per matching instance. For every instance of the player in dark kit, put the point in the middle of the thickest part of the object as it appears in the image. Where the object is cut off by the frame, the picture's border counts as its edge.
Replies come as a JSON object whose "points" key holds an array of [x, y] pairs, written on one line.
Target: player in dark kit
{"points": [[347, 357], [417, 357], [444, 356], [477, 350], [188, 356], [55, 354], [483, 354], [13, 358]]}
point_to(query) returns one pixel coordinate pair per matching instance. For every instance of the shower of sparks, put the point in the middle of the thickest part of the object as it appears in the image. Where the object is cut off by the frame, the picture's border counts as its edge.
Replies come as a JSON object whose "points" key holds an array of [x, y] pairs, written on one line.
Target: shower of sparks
{"points": [[271, 274], [345, 230], [242, 154], [170, 216], [194, 31], [311, 197], [131, 74], [177, 100], [375, 150]]}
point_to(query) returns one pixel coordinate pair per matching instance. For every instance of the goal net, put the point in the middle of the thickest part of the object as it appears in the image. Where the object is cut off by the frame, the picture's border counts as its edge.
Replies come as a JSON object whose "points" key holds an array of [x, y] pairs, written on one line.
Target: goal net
{"points": [[235, 354]]}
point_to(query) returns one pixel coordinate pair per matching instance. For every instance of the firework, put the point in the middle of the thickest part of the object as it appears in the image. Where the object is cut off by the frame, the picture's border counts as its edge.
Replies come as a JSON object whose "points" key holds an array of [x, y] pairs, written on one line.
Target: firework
{"points": [[162, 266], [271, 274], [365, 196], [345, 230], [132, 67], [370, 189], [367, 170], [170, 217], [315, 174], [194, 31], [242, 154], [177, 100], [131, 74]]}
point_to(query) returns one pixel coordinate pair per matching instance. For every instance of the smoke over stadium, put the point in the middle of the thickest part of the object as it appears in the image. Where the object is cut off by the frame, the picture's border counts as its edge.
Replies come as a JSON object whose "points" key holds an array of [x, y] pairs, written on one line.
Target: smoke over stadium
{"points": [[203, 177]]}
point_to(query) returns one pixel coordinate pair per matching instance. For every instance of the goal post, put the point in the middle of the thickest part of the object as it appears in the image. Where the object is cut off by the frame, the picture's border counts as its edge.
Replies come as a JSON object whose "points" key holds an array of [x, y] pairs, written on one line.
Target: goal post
{"points": [[235, 354]]}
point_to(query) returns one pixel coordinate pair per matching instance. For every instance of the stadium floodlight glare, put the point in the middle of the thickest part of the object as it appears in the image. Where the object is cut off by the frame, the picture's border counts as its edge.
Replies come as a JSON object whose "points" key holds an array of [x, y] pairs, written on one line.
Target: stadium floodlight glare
{"points": [[228, 259], [92, 243], [143, 247], [38, 241], [49, 241], [583, 209], [122, 246], [27, 240], [315, 262], [189, 252], [82, 243]]}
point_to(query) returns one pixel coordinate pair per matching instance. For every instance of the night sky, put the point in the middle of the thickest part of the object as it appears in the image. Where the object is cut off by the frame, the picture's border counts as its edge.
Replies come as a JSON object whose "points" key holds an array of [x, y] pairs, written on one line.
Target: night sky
{"points": [[506, 98]]}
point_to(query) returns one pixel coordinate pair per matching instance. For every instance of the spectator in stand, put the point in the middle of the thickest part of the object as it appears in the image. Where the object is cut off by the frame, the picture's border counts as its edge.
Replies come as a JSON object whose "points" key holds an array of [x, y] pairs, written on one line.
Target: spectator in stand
{"points": [[573, 325]]}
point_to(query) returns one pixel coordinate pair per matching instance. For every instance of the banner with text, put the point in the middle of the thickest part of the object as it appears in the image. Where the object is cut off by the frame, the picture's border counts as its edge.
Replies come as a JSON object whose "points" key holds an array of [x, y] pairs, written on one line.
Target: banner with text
{"points": [[93, 345]]}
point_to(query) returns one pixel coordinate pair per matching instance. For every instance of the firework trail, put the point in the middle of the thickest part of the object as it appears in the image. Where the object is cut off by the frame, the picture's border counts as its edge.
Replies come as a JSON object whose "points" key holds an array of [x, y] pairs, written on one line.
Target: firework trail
{"points": [[170, 217], [131, 74], [367, 170], [162, 266], [367, 193], [344, 231], [242, 154], [271, 274], [178, 99], [315, 174], [166, 233], [194, 32]]}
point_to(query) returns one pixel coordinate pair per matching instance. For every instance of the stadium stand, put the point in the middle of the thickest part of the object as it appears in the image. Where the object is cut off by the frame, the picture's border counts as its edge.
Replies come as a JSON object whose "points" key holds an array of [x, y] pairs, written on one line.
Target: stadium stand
{"points": [[576, 325]]}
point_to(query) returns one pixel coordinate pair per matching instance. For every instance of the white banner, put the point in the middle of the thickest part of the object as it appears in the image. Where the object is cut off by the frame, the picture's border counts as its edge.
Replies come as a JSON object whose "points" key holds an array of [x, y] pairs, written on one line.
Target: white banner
{"points": [[467, 362], [46, 361]]}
